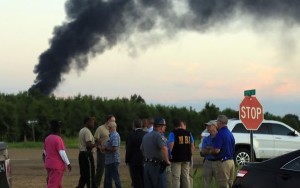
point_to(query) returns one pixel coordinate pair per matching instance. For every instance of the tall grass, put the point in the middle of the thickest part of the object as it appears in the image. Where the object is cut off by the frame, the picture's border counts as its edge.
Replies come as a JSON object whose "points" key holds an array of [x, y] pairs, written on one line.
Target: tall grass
{"points": [[198, 168], [69, 142], [197, 178], [28, 144]]}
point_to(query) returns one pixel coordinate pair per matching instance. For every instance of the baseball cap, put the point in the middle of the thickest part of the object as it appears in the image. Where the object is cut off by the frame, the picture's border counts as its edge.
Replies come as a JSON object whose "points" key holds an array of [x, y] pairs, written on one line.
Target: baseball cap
{"points": [[159, 121], [212, 122]]}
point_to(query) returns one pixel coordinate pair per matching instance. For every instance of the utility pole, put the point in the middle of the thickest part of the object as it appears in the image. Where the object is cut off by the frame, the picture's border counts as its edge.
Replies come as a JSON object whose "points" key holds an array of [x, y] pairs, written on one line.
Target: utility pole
{"points": [[32, 123]]}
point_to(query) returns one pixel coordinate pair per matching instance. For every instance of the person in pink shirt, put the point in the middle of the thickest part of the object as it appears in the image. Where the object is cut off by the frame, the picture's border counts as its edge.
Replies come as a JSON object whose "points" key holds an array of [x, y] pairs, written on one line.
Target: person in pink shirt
{"points": [[56, 159]]}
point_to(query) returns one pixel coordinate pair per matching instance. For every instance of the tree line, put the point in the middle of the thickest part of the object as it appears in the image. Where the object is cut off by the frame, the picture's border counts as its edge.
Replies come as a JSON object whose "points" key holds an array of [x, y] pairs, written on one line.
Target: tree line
{"points": [[25, 116]]}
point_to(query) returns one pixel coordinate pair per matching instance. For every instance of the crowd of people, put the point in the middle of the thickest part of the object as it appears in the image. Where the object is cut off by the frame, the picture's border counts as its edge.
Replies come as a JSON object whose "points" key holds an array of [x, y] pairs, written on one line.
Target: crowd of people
{"points": [[155, 160]]}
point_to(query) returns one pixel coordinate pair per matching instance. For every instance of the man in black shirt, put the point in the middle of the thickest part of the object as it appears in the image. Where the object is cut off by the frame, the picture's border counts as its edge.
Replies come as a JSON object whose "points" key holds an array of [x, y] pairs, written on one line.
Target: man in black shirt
{"points": [[181, 146]]}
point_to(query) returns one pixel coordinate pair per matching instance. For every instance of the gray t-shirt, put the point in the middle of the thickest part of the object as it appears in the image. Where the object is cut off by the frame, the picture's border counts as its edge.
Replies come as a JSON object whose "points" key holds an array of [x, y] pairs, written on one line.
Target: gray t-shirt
{"points": [[152, 144]]}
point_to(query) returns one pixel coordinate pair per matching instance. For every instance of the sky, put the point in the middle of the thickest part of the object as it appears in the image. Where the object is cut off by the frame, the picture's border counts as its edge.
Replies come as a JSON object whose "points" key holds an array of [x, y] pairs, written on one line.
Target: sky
{"points": [[185, 69]]}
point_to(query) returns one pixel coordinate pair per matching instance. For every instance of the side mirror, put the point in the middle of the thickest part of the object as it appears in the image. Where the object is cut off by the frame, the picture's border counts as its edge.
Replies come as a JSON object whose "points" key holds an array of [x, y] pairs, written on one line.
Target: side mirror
{"points": [[293, 133]]}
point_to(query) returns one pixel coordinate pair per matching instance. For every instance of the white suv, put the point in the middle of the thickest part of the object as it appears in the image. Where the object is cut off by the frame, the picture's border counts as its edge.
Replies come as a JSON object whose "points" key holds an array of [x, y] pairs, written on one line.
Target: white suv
{"points": [[273, 138]]}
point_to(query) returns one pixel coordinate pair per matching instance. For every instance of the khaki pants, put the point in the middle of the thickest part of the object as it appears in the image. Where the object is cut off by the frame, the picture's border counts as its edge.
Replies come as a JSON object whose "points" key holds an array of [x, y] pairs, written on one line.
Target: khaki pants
{"points": [[180, 170], [209, 173], [191, 173], [225, 173], [169, 177]]}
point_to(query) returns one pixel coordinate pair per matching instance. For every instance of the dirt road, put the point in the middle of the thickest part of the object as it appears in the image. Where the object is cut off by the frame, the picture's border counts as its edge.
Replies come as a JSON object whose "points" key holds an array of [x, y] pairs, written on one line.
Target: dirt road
{"points": [[28, 170]]}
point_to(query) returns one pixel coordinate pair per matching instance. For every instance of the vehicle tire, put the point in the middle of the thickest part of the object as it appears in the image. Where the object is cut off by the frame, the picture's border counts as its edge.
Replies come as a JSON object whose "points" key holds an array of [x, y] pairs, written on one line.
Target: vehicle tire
{"points": [[242, 156]]}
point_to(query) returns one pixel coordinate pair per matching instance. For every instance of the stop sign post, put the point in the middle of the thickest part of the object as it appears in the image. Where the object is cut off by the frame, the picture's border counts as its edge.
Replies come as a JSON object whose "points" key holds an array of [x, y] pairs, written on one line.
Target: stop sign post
{"points": [[251, 114]]}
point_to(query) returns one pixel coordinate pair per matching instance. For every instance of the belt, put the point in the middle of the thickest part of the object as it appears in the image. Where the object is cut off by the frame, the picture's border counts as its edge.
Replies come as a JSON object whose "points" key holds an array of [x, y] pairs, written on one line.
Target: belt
{"points": [[149, 160], [222, 160], [213, 159]]}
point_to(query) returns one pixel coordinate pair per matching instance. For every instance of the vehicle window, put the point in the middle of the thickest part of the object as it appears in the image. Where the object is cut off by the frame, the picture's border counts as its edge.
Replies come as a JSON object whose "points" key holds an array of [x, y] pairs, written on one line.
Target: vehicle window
{"points": [[293, 165], [239, 128], [263, 129], [278, 129]]}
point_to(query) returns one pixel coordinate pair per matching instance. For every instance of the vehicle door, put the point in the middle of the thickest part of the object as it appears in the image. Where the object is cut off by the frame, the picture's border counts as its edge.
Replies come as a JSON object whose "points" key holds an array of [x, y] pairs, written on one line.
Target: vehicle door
{"points": [[289, 175], [263, 142], [285, 140]]}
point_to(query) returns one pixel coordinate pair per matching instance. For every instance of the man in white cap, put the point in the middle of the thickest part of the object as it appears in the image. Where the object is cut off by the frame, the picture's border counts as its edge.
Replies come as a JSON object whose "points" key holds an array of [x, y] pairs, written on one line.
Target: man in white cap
{"points": [[223, 149], [209, 164]]}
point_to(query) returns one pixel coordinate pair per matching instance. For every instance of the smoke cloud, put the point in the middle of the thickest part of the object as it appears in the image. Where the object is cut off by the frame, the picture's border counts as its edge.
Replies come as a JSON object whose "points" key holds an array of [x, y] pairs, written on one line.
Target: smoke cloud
{"points": [[93, 26]]}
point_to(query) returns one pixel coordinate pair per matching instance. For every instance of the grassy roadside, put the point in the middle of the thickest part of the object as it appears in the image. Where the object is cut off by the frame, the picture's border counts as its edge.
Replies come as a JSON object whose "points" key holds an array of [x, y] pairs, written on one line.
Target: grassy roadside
{"points": [[24, 144], [69, 142]]}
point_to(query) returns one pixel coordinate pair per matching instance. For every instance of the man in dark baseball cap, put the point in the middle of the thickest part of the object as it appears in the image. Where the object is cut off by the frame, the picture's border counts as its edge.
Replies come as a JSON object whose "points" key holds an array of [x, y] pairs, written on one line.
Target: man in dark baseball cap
{"points": [[159, 121], [155, 151]]}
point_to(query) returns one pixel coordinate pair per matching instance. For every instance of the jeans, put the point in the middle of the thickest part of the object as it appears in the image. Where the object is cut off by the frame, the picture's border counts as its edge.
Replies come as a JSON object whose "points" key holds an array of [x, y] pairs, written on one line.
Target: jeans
{"points": [[112, 173]]}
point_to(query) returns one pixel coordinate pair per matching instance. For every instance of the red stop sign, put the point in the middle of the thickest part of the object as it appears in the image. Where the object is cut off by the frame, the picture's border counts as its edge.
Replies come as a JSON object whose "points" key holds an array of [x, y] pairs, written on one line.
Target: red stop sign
{"points": [[251, 113]]}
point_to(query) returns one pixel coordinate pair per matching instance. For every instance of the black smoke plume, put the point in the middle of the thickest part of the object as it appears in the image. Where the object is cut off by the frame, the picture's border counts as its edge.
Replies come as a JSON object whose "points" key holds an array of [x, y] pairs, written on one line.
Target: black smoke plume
{"points": [[93, 26]]}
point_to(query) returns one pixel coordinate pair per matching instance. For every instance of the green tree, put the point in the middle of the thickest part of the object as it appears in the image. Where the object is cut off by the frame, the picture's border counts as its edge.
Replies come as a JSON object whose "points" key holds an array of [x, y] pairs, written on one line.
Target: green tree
{"points": [[137, 98], [16, 110], [292, 120]]}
